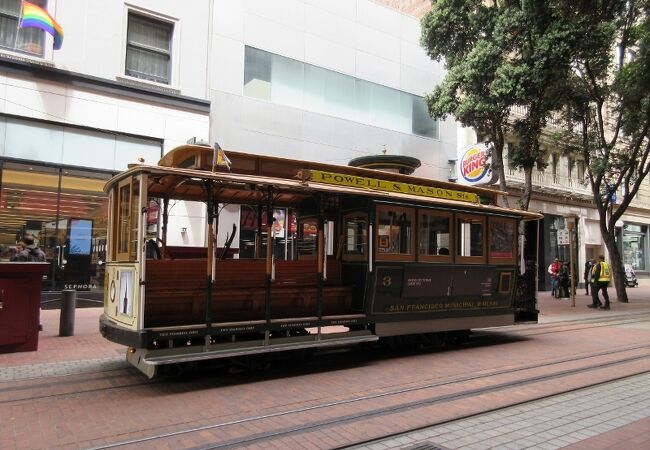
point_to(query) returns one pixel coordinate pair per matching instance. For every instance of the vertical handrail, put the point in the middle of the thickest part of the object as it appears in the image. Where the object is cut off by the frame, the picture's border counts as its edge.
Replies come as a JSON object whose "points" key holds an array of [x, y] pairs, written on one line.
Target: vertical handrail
{"points": [[269, 263], [371, 239], [209, 256], [322, 254], [165, 221], [141, 254]]}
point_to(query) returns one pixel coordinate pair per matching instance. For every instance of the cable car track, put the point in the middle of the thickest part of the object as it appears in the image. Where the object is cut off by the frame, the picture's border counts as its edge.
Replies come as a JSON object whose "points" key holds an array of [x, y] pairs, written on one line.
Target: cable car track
{"points": [[479, 338], [387, 410]]}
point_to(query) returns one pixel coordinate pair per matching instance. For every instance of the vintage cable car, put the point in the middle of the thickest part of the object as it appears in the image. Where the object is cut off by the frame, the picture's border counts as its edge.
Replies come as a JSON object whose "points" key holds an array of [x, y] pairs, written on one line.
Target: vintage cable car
{"points": [[283, 254]]}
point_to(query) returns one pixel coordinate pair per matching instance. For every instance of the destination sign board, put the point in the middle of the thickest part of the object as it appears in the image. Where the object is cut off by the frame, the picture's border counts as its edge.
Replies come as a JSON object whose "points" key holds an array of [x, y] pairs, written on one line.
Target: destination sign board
{"points": [[391, 186]]}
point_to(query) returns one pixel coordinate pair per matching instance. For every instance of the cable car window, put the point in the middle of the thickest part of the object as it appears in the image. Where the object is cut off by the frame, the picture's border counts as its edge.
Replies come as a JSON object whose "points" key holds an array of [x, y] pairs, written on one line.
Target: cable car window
{"points": [[356, 236], [307, 238], [124, 211], [470, 239], [126, 219], [434, 238], [395, 233], [502, 241]]}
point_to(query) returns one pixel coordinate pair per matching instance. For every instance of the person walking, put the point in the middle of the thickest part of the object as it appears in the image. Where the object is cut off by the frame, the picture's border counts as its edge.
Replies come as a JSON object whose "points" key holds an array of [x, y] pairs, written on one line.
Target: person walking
{"points": [[554, 272], [600, 277], [19, 248], [589, 264]]}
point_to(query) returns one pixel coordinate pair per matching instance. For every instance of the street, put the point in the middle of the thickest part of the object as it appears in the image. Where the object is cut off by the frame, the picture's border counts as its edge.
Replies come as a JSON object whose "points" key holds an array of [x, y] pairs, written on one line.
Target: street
{"points": [[77, 392]]}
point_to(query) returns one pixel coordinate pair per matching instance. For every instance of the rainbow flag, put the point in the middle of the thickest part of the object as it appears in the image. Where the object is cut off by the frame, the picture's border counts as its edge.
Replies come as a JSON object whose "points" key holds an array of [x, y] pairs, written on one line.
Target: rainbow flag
{"points": [[36, 17]]}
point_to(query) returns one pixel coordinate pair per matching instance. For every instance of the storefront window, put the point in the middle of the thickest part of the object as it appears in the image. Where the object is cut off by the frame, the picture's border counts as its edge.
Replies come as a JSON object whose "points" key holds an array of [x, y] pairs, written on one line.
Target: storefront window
{"points": [[65, 210], [635, 246]]}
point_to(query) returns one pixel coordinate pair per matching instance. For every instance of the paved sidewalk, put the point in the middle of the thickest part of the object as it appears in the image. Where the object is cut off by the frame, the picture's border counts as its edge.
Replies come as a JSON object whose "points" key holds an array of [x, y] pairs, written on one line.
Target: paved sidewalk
{"points": [[613, 415], [87, 350], [553, 310], [624, 413], [88, 345], [599, 417]]}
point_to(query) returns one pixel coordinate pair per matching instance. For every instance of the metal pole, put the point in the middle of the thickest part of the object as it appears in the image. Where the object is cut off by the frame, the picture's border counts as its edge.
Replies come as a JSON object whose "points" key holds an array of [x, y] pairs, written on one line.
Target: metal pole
{"points": [[572, 294], [269, 263], [210, 255], [68, 307]]}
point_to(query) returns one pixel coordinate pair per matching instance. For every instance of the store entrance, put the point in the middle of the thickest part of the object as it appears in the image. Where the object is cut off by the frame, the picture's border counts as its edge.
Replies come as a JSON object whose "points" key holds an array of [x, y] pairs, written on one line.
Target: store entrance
{"points": [[65, 210]]}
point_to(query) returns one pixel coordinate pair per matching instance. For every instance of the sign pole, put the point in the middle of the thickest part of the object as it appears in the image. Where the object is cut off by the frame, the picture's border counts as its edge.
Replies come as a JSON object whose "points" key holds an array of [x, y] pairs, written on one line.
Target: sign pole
{"points": [[571, 227]]}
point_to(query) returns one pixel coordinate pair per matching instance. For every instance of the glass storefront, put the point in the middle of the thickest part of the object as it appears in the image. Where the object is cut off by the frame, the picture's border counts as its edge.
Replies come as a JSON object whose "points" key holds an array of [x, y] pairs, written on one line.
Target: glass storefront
{"points": [[635, 246], [551, 248], [66, 212]]}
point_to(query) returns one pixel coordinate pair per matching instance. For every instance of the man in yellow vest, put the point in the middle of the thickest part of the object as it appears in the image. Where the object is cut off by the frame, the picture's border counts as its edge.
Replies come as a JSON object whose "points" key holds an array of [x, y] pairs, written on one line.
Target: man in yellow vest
{"points": [[600, 277]]}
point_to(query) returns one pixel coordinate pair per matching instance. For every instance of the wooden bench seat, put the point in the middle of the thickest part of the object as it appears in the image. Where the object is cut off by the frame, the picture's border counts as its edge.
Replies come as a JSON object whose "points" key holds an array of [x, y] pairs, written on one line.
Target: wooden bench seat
{"points": [[175, 291]]}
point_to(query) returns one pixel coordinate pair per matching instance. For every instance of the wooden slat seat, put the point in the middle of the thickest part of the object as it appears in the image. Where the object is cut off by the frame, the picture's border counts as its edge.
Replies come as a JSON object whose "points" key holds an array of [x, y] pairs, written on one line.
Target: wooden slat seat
{"points": [[175, 291]]}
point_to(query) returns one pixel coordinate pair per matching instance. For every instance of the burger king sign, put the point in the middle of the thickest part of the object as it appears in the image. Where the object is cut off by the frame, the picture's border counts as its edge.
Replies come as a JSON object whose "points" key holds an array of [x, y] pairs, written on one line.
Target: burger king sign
{"points": [[474, 165]]}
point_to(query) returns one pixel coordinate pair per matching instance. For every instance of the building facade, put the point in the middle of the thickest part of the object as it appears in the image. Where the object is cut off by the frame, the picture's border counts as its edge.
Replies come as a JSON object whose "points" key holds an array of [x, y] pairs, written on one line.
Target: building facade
{"points": [[115, 93], [322, 81], [562, 194]]}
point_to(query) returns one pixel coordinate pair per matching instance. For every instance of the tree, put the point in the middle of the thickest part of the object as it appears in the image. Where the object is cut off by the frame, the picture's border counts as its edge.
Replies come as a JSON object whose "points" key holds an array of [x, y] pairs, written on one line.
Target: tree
{"points": [[463, 36], [499, 55], [609, 101]]}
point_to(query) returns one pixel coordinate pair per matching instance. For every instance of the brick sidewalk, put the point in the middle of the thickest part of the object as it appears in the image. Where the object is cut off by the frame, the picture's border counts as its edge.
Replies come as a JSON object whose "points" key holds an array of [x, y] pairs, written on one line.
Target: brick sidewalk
{"points": [[552, 309], [87, 350], [88, 345]]}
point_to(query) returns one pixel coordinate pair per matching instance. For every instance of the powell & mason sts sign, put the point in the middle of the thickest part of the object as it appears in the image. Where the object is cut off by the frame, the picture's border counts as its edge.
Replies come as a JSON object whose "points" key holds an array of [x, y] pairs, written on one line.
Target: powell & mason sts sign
{"points": [[340, 179]]}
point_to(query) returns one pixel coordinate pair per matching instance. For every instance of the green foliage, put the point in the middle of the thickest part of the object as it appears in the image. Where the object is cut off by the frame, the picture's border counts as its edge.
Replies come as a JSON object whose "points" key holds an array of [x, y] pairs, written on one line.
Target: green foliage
{"points": [[506, 54]]}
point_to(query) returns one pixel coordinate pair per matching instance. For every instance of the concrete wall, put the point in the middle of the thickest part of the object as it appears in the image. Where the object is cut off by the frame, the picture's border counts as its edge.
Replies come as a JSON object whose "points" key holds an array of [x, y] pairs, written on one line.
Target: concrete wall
{"points": [[359, 38], [95, 38]]}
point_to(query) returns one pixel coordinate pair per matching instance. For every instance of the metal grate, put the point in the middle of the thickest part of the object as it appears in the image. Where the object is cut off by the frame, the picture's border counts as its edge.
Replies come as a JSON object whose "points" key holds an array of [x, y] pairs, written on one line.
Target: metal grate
{"points": [[426, 445]]}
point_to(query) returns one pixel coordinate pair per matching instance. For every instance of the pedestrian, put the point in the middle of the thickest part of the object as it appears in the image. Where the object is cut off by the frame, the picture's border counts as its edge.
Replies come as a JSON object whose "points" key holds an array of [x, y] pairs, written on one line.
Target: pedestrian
{"points": [[589, 264], [554, 271], [31, 252], [19, 248], [564, 281], [600, 277]]}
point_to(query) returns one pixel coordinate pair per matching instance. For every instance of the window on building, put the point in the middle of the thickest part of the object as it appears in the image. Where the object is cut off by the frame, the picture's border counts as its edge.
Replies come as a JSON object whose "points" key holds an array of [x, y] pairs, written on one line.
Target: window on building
{"points": [[148, 49], [434, 236], [395, 233], [555, 160], [25, 40], [293, 83], [64, 208], [635, 246], [580, 171], [257, 74], [470, 239]]}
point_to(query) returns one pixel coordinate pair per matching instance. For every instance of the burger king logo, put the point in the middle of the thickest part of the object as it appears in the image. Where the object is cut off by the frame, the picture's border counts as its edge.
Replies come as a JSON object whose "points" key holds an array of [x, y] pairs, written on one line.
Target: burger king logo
{"points": [[473, 164]]}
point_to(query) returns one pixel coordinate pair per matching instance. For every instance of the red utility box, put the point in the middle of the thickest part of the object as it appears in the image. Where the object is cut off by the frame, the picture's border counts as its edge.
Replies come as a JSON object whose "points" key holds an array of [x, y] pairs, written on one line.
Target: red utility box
{"points": [[20, 305]]}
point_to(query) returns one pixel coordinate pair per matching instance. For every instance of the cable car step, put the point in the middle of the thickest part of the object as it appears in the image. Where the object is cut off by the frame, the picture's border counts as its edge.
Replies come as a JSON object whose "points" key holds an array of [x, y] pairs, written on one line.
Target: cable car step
{"points": [[195, 353]]}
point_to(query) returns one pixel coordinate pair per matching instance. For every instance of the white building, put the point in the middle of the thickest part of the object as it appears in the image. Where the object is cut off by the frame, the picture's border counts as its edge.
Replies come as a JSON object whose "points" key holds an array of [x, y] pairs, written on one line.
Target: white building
{"points": [[323, 81]]}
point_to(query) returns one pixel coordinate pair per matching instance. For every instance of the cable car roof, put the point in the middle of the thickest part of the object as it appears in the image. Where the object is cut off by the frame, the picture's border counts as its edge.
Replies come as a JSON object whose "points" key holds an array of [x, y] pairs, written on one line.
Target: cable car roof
{"points": [[182, 173]]}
